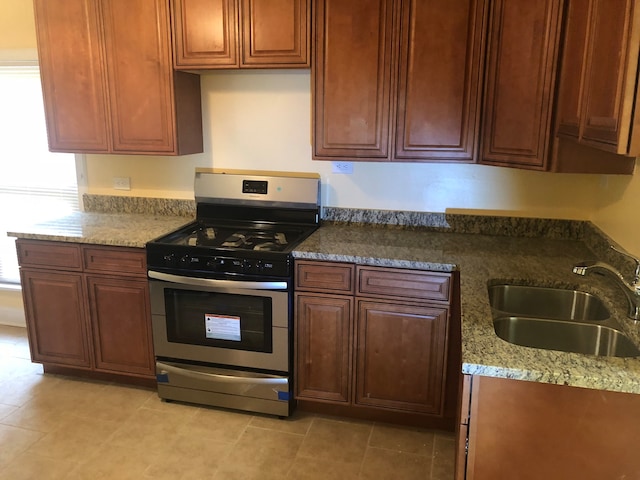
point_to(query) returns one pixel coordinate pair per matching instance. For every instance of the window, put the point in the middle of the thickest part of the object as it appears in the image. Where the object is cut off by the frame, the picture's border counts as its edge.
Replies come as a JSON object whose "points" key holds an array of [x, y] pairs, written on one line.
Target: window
{"points": [[35, 184]]}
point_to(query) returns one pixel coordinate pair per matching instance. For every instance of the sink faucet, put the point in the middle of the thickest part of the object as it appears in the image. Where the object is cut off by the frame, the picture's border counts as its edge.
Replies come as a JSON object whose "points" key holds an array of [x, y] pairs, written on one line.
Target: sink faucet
{"points": [[631, 289]]}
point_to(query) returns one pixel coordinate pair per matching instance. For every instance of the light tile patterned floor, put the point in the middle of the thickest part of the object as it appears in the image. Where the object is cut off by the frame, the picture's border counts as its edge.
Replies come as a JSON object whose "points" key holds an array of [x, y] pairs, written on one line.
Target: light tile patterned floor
{"points": [[54, 427]]}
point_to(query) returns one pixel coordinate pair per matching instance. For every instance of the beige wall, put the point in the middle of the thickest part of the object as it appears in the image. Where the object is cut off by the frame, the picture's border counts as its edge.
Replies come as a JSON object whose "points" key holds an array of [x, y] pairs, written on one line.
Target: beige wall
{"points": [[17, 28]]}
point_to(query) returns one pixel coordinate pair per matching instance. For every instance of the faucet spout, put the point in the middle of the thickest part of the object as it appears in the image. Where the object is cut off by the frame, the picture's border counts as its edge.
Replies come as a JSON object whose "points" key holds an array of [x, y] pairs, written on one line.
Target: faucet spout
{"points": [[630, 289]]}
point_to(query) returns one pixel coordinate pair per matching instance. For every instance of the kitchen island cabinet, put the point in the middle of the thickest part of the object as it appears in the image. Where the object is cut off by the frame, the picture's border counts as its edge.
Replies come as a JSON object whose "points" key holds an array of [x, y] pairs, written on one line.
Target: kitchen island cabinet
{"points": [[212, 34], [397, 81], [108, 82], [529, 430], [87, 309], [376, 342]]}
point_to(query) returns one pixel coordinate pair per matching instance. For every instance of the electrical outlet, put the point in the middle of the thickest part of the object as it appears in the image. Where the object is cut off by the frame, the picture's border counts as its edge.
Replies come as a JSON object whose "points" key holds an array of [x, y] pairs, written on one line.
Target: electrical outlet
{"points": [[122, 183], [342, 167]]}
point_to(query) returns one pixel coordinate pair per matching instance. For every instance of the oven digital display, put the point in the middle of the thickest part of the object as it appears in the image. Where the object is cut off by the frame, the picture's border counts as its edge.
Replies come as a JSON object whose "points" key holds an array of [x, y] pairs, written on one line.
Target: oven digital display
{"points": [[222, 327], [255, 186]]}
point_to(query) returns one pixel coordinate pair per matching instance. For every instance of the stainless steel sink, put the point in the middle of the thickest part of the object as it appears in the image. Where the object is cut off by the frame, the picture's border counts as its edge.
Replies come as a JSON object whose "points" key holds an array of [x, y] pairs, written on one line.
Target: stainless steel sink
{"points": [[574, 337], [557, 319], [552, 303]]}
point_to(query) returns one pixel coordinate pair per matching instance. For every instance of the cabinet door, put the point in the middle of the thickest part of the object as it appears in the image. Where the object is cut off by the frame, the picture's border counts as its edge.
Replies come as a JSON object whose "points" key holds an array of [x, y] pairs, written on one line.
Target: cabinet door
{"points": [[529, 430], [121, 324], [275, 33], [400, 356], [71, 63], [352, 79], [611, 85], [138, 56], [571, 86], [205, 33], [323, 339], [56, 321], [521, 66], [440, 67]]}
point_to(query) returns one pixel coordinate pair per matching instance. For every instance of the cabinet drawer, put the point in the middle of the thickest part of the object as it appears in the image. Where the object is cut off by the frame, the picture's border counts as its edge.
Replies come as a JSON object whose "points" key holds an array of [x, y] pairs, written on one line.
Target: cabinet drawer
{"points": [[392, 282], [324, 277], [115, 260], [38, 253]]}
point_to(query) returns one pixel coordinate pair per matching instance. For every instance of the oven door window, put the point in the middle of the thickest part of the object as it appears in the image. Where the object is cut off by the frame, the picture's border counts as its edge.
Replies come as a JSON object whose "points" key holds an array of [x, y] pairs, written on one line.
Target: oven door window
{"points": [[239, 322]]}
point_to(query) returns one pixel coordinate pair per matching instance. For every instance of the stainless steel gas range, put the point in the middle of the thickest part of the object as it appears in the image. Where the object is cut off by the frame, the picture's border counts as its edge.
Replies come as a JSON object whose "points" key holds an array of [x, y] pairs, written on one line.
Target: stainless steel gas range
{"points": [[222, 287]]}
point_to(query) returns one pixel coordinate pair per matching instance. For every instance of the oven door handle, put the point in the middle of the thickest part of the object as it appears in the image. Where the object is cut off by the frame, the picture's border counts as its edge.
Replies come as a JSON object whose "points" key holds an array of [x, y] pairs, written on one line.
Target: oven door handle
{"points": [[166, 368], [211, 282]]}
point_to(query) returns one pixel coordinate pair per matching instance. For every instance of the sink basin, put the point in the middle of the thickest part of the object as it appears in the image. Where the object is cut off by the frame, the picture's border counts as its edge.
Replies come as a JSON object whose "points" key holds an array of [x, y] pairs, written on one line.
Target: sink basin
{"points": [[557, 319], [551, 303], [574, 337]]}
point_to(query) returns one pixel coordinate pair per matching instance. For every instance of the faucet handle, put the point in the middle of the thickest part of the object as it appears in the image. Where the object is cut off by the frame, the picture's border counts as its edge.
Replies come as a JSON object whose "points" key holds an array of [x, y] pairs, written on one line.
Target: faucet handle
{"points": [[636, 276]]}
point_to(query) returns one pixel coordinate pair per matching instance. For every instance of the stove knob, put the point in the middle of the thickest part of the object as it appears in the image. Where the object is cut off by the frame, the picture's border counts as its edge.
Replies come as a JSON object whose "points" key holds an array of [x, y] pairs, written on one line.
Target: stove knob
{"points": [[216, 263], [185, 259], [169, 259]]}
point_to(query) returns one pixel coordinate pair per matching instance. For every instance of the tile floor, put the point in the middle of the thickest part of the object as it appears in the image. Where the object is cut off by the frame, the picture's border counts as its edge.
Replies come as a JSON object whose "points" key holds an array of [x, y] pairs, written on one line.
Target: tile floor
{"points": [[54, 427]]}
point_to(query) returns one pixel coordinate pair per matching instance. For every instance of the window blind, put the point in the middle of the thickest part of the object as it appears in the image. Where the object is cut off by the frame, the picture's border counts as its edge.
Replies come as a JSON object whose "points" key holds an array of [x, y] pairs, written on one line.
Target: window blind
{"points": [[35, 184]]}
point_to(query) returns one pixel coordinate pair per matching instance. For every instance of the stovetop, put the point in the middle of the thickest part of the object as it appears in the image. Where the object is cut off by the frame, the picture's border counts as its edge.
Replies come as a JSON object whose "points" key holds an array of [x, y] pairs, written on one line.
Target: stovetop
{"points": [[246, 224], [272, 239]]}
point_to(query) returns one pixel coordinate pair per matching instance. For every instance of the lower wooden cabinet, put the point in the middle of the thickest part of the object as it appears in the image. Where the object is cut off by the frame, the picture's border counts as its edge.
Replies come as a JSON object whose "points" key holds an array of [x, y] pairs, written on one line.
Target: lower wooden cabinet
{"points": [[90, 313], [529, 430], [377, 343]]}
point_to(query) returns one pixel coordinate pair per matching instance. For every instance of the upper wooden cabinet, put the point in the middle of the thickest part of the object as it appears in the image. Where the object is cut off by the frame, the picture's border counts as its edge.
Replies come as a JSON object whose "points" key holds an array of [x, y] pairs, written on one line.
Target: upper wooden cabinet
{"points": [[598, 77], [520, 80], [211, 34], [108, 82], [397, 80]]}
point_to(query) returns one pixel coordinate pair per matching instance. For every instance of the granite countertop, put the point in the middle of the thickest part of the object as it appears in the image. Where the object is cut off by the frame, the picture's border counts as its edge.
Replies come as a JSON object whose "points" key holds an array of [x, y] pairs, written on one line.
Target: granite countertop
{"points": [[482, 260], [484, 250], [118, 229]]}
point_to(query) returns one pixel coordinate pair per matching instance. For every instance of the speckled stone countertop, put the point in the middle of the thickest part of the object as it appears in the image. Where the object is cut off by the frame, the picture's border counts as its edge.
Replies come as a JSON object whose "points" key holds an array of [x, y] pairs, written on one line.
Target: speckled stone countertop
{"points": [[117, 221], [546, 259]]}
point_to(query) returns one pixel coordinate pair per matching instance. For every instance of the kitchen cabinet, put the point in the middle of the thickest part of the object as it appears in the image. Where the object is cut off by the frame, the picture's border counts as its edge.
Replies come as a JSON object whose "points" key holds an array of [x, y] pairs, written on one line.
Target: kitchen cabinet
{"points": [[376, 342], [87, 309], [397, 80], [108, 82], [529, 430], [523, 45], [210, 34], [598, 78]]}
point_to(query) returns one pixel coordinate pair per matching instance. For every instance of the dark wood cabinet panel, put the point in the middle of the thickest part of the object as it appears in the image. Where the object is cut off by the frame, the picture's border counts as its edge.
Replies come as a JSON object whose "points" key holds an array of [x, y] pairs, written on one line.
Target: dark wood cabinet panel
{"points": [[275, 33], [211, 34], [108, 80], [393, 282], [440, 78], [325, 277], [92, 319], [205, 33], [530, 430], [609, 102], [352, 78], [400, 357], [381, 350], [121, 321], [397, 80], [73, 75], [323, 353], [520, 82], [571, 87], [55, 313]]}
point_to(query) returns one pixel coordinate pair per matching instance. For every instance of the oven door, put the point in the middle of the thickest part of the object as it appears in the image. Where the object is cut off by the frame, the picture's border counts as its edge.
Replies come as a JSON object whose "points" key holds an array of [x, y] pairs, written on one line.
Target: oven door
{"points": [[227, 323]]}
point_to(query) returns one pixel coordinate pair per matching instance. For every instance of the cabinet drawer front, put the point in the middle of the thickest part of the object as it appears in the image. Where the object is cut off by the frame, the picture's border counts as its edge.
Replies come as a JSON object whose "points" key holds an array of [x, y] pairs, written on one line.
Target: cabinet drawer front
{"points": [[324, 276], [37, 253], [115, 260], [390, 282]]}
